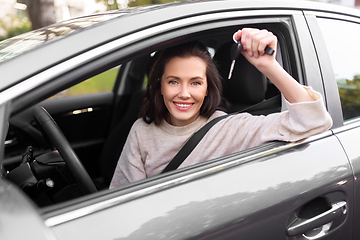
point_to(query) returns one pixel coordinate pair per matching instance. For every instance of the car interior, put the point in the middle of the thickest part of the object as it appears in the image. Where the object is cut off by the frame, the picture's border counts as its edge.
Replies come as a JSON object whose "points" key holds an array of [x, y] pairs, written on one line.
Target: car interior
{"points": [[96, 125]]}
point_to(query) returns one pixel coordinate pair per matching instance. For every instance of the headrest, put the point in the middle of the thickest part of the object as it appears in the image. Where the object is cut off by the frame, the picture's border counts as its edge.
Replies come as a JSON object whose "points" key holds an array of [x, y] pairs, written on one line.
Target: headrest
{"points": [[247, 85]]}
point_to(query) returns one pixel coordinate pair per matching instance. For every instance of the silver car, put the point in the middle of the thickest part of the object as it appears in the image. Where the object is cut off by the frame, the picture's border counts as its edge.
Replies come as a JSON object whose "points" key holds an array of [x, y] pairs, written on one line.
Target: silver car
{"points": [[61, 144]]}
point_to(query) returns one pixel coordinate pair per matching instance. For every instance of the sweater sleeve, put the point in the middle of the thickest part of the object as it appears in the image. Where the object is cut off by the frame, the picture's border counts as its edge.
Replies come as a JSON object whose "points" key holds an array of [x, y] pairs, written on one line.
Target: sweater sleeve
{"points": [[302, 120], [130, 167]]}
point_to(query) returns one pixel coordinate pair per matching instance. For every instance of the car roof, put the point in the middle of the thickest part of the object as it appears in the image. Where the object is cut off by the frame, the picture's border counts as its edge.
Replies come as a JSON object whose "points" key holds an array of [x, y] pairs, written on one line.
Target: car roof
{"points": [[115, 24]]}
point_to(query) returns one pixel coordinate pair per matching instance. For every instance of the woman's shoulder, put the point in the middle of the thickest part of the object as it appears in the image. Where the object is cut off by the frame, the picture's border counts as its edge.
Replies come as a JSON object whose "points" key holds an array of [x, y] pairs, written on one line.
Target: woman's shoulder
{"points": [[217, 113], [233, 119], [142, 130], [140, 125]]}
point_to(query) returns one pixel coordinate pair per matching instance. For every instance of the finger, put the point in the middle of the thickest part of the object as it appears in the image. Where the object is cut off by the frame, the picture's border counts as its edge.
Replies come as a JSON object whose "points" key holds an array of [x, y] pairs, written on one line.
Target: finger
{"points": [[251, 46], [255, 45], [237, 36], [244, 38], [260, 41], [269, 41]]}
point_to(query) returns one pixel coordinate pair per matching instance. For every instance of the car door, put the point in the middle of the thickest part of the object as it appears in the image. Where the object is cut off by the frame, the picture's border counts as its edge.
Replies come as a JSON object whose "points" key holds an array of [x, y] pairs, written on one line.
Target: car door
{"points": [[303, 190], [341, 70]]}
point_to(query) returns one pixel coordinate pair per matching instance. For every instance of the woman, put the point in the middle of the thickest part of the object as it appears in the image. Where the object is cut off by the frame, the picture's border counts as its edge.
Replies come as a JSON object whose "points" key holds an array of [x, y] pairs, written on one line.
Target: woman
{"points": [[183, 94]]}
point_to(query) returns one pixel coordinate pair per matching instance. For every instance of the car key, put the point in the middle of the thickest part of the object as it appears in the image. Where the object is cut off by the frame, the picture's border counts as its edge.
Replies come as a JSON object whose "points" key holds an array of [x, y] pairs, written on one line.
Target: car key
{"points": [[235, 53]]}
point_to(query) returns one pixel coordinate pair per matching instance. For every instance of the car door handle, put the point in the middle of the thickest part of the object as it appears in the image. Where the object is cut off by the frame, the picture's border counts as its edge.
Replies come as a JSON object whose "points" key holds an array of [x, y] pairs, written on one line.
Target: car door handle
{"points": [[300, 226]]}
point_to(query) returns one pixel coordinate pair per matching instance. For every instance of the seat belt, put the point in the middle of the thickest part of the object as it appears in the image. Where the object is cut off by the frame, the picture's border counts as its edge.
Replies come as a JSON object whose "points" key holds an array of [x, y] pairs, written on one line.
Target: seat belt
{"points": [[191, 144], [197, 136]]}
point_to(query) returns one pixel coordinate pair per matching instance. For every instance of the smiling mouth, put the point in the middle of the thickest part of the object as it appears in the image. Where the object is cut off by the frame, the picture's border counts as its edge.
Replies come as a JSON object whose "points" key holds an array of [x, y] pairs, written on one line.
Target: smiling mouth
{"points": [[183, 106]]}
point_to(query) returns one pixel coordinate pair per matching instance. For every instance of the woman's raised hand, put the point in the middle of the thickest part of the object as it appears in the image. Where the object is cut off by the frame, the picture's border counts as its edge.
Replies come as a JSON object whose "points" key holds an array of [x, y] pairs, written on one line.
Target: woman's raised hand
{"points": [[254, 42]]}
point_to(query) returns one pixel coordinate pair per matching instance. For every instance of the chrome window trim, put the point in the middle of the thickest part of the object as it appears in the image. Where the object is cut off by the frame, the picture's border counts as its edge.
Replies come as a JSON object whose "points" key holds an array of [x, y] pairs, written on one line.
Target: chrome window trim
{"points": [[349, 124], [72, 63], [96, 207], [333, 16]]}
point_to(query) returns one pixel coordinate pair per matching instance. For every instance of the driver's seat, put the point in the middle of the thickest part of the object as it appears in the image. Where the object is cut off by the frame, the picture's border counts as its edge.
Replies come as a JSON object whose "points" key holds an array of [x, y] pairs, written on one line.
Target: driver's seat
{"points": [[247, 86], [116, 139]]}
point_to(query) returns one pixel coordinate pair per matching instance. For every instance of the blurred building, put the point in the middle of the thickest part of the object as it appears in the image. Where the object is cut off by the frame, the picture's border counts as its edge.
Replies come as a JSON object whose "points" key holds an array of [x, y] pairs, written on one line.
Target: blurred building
{"points": [[66, 9], [348, 3]]}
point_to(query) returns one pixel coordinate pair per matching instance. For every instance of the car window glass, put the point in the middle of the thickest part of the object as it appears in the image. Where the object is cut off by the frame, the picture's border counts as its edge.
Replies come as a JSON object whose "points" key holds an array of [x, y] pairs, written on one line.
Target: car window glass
{"points": [[99, 83], [344, 56]]}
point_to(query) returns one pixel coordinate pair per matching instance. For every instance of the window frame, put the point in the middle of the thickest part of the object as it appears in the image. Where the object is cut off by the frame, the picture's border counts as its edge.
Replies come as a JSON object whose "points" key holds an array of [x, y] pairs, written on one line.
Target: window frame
{"points": [[343, 21], [332, 96]]}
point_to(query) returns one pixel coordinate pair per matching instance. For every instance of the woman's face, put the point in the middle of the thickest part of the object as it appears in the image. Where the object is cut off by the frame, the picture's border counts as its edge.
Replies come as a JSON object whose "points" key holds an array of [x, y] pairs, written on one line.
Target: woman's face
{"points": [[184, 87]]}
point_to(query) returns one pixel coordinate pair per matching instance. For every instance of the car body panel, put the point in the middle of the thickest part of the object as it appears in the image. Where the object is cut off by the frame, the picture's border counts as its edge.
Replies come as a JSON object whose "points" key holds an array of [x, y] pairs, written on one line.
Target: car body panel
{"points": [[346, 132], [20, 216], [349, 138], [227, 203]]}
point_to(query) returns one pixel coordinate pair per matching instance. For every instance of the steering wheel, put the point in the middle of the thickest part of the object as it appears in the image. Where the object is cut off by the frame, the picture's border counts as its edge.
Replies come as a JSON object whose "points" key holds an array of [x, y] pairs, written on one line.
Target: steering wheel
{"points": [[58, 139]]}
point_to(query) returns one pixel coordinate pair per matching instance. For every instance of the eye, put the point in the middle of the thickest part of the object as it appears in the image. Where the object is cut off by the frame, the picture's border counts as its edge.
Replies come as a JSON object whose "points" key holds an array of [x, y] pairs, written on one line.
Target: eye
{"points": [[196, 83], [173, 82]]}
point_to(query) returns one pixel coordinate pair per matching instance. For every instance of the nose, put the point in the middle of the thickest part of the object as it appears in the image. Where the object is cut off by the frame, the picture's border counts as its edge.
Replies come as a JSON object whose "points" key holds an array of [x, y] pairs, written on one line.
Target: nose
{"points": [[184, 92]]}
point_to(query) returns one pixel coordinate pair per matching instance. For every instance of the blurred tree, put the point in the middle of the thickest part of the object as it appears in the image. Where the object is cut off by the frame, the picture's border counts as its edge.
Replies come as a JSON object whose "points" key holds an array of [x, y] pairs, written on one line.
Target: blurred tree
{"points": [[110, 4], [116, 4], [41, 12], [350, 100], [18, 25], [148, 2]]}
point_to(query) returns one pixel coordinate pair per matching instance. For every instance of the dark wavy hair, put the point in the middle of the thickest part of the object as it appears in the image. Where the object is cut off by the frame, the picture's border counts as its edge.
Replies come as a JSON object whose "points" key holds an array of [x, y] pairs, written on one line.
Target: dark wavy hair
{"points": [[153, 107]]}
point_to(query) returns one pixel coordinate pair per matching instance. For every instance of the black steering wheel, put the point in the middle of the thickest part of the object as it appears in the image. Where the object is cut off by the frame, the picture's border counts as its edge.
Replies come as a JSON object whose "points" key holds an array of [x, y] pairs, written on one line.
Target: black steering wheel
{"points": [[58, 139]]}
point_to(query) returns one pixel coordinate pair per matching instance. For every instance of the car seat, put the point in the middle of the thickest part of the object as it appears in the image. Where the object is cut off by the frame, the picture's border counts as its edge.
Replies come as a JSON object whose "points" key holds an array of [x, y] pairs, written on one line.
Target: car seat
{"points": [[117, 136], [247, 86], [116, 140]]}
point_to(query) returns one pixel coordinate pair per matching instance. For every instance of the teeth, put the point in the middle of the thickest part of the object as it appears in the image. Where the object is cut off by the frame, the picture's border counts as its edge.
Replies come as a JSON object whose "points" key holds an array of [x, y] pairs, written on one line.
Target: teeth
{"points": [[183, 105]]}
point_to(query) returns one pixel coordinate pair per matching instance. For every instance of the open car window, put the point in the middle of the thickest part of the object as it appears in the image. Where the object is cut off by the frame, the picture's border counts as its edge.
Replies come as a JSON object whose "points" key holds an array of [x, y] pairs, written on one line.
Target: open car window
{"points": [[97, 124]]}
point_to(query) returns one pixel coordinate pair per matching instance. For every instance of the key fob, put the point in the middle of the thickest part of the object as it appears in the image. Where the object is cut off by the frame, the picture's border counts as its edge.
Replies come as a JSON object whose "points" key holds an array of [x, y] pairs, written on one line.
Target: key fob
{"points": [[236, 50], [237, 47]]}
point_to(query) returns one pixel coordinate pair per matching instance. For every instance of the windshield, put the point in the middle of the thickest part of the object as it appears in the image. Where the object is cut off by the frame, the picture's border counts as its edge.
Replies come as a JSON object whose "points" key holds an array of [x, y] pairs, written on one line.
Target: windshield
{"points": [[12, 47]]}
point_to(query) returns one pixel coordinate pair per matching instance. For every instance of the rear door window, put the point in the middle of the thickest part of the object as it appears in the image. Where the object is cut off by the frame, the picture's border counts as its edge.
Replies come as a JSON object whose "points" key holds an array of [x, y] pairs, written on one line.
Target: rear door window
{"points": [[342, 41]]}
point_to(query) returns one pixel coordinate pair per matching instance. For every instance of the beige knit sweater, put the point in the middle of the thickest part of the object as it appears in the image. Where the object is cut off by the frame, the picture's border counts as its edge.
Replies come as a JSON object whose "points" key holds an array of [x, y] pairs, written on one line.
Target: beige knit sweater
{"points": [[149, 148]]}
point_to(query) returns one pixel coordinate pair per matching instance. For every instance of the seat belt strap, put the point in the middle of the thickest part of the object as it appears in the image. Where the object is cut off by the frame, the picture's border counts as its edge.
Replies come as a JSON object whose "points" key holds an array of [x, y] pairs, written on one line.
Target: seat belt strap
{"points": [[191, 144]]}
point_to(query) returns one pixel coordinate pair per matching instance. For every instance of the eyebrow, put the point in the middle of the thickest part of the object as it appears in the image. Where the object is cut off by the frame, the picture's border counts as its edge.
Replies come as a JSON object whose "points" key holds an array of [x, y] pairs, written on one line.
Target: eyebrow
{"points": [[172, 77], [193, 78]]}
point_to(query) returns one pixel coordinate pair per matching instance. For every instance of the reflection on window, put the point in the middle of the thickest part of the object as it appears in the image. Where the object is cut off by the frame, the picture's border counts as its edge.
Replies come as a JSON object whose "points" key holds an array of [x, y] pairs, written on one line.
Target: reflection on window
{"points": [[102, 82], [342, 40], [12, 47]]}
